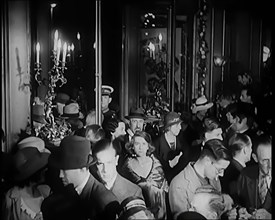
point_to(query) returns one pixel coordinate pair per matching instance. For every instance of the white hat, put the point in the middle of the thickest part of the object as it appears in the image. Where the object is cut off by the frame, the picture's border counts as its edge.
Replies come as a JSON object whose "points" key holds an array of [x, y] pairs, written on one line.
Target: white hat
{"points": [[71, 110], [106, 90], [33, 142], [200, 104]]}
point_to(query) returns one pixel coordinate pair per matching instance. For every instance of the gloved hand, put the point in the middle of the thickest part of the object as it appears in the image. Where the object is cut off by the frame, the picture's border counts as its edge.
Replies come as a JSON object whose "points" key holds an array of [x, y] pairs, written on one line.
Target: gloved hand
{"points": [[111, 125]]}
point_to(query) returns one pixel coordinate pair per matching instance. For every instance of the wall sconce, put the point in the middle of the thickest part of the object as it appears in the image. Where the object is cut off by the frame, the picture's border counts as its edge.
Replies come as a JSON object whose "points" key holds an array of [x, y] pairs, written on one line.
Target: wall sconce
{"points": [[266, 53], [219, 60]]}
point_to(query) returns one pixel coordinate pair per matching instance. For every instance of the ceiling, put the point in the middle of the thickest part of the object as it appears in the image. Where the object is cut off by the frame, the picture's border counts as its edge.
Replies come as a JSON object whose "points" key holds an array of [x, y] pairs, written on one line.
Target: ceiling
{"points": [[185, 7]]}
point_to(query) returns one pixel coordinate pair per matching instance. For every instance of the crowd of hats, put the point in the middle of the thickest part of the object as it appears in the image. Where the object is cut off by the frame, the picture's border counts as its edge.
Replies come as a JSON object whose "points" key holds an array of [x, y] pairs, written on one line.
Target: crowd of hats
{"points": [[31, 156], [74, 151], [71, 110]]}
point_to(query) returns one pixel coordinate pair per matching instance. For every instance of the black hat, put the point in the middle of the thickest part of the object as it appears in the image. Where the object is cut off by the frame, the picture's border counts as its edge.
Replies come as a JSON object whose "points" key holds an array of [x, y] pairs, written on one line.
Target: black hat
{"points": [[136, 113], [38, 114], [171, 118], [27, 161], [62, 98], [73, 153]]}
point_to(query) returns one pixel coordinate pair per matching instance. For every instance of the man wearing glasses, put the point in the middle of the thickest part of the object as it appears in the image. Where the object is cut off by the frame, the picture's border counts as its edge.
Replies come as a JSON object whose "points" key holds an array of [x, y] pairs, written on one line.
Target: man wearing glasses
{"points": [[213, 160], [255, 182]]}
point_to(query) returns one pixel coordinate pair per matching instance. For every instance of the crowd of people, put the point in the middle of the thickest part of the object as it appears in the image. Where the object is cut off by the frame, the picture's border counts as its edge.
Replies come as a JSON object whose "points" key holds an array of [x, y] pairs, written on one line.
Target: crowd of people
{"points": [[204, 164]]}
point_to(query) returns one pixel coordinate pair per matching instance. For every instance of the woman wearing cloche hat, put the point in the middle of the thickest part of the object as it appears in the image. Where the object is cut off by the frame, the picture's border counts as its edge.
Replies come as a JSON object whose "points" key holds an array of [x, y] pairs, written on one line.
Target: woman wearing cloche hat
{"points": [[169, 148], [23, 201]]}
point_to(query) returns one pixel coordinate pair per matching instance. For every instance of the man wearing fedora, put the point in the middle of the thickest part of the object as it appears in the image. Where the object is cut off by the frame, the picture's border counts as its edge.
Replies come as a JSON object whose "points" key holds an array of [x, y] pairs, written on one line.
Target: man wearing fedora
{"points": [[169, 149], [73, 158], [73, 116], [136, 122], [61, 100], [38, 117], [200, 109]]}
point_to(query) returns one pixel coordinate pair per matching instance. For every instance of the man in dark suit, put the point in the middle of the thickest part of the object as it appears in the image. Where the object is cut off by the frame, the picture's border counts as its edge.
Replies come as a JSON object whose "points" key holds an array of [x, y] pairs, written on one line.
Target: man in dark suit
{"points": [[136, 119], [240, 146], [106, 153], [106, 99], [254, 184], [91, 200]]}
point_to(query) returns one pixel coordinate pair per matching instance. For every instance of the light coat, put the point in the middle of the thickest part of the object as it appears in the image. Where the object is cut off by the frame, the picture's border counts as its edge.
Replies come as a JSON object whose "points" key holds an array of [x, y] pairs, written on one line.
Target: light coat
{"points": [[182, 189]]}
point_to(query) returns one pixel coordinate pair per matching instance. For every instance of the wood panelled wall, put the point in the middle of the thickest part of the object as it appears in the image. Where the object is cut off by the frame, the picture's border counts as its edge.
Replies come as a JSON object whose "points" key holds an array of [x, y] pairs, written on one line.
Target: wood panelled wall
{"points": [[237, 35]]}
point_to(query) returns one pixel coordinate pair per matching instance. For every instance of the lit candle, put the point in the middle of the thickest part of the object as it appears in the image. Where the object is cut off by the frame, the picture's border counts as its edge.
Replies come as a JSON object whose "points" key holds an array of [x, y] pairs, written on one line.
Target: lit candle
{"points": [[150, 49], [72, 49], [153, 49], [58, 50], [69, 53], [55, 40], [78, 38], [37, 52], [160, 39], [64, 53]]}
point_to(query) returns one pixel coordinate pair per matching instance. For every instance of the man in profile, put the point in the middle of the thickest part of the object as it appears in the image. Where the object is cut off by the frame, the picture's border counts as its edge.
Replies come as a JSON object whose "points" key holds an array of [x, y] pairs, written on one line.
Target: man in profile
{"points": [[213, 160], [89, 198], [254, 184]]}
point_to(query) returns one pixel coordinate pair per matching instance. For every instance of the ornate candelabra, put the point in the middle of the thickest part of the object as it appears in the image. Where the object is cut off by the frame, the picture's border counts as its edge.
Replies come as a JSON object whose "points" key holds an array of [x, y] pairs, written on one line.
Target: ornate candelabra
{"points": [[53, 130]]}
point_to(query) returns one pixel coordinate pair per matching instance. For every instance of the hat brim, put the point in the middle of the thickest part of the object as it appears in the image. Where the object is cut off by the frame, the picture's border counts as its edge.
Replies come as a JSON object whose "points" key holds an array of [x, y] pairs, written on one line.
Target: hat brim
{"points": [[132, 211], [152, 119], [39, 118], [35, 142], [56, 160], [173, 123], [106, 94], [136, 116], [111, 89], [62, 101], [202, 107], [31, 167], [65, 115]]}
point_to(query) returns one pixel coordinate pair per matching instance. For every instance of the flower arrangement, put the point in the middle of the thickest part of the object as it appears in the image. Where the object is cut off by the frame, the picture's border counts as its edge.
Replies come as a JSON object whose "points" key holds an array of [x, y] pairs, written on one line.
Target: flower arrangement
{"points": [[53, 132], [203, 47], [155, 102]]}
